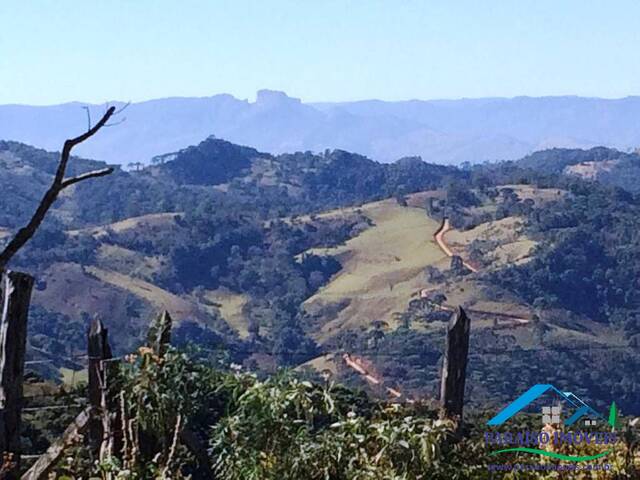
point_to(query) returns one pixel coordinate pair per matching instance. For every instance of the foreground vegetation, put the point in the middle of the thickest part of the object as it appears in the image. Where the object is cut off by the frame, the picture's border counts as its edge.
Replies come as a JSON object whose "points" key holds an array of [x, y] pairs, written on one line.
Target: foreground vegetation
{"points": [[284, 427]]}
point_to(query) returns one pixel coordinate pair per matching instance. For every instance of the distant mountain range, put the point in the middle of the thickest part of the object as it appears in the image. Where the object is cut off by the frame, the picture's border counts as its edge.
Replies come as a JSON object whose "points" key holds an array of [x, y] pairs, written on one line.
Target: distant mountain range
{"points": [[440, 131]]}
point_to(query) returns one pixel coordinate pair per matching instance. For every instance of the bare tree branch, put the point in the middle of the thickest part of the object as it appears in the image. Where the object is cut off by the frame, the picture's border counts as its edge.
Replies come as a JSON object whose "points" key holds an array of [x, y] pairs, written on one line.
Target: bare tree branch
{"points": [[122, 120], [122, 109], [85, 176], [88, 117], [116, 113], [59, 183]]}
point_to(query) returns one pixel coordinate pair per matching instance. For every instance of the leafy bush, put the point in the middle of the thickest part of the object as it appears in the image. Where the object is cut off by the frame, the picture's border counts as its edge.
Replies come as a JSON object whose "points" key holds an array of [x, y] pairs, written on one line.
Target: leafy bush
{"points": [[285, 428]]}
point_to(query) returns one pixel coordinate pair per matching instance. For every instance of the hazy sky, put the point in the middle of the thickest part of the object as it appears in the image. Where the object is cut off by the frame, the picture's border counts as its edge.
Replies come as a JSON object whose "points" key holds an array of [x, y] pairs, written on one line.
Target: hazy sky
{"points": [[54, 51]]}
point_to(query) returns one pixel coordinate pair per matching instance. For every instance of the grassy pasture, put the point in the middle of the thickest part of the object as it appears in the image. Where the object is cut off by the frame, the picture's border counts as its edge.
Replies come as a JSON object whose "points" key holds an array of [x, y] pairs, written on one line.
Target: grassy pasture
{"points": [[382, 267], [159, 298], [144, 222], [513, 246], [230, 306]]}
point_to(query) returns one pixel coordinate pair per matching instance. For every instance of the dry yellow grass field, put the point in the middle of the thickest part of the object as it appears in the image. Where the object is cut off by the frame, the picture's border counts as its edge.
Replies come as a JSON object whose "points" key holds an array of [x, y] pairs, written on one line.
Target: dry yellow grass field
{"points": [[74, 377], [153, 220], [382, 267], [40, 389], [591, 170], [128, 262], [230, 306], [539, 195], [179, 308], [71, 289], [328, 362], [513, 245]]}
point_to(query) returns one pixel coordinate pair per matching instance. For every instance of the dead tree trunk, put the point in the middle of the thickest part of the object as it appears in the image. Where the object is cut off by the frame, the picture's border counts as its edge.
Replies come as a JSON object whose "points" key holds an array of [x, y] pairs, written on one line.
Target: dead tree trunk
{"points": [[15, 296], [158, 339], [58, 185], [99, 351], [454, 366], [159, 336]]}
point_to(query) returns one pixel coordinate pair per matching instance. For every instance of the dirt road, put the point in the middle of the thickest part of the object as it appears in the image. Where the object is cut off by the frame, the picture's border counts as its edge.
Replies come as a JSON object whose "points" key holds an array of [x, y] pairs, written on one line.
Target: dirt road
{"points": [[439, 237]]}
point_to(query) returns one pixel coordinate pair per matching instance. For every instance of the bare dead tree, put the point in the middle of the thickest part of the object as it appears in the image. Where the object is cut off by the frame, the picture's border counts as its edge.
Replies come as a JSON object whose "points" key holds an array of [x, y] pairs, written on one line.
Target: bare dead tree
{"points": [[58, 185], [86, 109]]}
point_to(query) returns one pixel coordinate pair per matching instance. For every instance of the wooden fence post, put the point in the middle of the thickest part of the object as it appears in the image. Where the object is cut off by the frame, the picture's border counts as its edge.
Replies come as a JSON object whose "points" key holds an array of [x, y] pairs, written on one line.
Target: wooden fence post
{"points": [[15, 296], [158, 339], [99, 425], [159, 336], [41, 469], [454, 366], [95, 419]]}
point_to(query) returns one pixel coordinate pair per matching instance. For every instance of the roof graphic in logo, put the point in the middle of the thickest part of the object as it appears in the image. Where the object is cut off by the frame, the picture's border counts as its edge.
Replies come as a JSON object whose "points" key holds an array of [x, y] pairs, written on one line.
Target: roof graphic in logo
{"points": [[535, 392], [551, 415]]}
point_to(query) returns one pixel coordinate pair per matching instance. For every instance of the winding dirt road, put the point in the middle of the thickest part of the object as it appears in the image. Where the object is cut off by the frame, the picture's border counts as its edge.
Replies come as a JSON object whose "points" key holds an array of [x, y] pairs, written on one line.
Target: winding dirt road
{"points": [[439, 237], [357, 365]]}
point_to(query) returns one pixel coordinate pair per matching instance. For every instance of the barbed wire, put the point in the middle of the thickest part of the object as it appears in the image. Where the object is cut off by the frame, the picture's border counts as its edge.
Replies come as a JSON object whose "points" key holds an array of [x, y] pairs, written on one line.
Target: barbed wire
{"points": [[73, 359], [50, 407], [304, 355], [338, 351], [373, 354]]}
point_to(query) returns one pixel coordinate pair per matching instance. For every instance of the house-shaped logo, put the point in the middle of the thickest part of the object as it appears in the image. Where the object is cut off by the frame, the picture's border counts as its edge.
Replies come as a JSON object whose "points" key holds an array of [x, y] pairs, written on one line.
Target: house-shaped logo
{"points": [[546, 439], [551, 414]]}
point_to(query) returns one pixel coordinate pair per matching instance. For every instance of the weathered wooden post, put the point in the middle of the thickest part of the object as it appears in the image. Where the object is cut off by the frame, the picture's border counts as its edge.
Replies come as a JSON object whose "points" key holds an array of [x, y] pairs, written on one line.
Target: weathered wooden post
{"points": [[159, 336], [454, 366], [158, 339], [100, 425], [15, 296], [43, 466]]}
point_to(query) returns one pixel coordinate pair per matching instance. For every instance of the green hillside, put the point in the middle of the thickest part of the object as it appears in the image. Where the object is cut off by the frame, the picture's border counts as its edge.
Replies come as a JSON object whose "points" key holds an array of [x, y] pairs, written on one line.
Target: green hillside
{"points": [[283, 260]]}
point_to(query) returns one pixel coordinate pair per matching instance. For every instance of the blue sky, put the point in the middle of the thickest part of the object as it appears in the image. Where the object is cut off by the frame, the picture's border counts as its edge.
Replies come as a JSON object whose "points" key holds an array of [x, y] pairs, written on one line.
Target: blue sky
{"points": [[54, 51]]}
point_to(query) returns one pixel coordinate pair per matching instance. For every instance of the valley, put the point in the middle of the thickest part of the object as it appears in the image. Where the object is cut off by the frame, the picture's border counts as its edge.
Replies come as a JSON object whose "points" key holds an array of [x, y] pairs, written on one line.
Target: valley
{"points": [[299, 259]]}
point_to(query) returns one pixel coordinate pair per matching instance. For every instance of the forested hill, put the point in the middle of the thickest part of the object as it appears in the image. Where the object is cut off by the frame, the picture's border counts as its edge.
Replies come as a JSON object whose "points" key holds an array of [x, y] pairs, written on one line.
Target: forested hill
{"points": [[203, 217], [290, 181], [25, 174], [279, 259], [608, 166], [303, 174]]}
